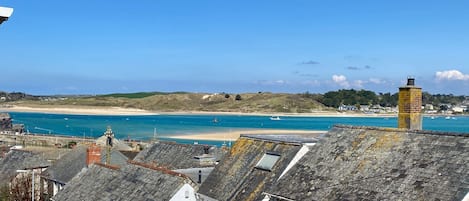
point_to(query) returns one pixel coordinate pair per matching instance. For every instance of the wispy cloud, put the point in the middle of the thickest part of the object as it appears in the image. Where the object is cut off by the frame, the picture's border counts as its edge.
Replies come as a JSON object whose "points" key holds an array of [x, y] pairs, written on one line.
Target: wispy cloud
{"points": [[310, 62], [366, 67], [272, 82], [451, 75], [376, 81], [359, 83], [304, 74]]}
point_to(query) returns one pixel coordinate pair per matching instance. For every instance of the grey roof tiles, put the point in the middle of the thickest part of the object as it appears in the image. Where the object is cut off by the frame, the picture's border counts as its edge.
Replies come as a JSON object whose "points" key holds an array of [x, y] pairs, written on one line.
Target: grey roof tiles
{"points": [[367, 163], [133, 181]]}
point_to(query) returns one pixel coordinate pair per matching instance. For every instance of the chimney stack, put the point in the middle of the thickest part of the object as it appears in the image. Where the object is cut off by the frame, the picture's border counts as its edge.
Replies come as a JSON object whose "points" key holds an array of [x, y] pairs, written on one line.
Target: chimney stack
{"points": [[93, 154], [410, 106]]}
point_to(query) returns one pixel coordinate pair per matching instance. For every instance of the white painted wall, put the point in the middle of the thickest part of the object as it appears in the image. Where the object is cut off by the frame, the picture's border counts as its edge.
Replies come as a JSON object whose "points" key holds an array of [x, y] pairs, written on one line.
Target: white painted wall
{"points": [[185, 193], [304, 149]]}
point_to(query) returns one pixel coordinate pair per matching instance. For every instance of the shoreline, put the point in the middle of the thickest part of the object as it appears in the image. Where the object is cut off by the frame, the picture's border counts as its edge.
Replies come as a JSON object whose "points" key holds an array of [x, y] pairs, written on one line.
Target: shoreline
{"points": [[78, 110], [105, 111], [96, 110], [234, 135]]}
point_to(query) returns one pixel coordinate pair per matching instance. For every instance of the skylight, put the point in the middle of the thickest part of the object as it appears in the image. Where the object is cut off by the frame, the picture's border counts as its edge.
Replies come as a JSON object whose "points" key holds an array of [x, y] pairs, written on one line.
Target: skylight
{"points": [[268, 161]]}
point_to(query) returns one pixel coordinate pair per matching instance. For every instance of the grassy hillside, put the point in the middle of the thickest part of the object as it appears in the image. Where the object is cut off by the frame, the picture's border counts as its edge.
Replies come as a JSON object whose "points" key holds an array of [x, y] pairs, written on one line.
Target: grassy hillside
{"points": [[172, 102]]}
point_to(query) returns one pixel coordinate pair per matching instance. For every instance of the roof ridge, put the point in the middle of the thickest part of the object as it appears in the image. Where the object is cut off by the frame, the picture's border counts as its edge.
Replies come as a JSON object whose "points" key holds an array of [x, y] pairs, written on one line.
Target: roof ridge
{"points": [[403, 130], [112, 167], [158, 168]]}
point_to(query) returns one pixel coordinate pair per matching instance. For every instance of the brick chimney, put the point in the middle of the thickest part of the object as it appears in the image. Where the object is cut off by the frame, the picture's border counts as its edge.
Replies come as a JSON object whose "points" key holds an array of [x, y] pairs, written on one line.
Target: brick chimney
{"points": [[410, 103], [93, 154]]}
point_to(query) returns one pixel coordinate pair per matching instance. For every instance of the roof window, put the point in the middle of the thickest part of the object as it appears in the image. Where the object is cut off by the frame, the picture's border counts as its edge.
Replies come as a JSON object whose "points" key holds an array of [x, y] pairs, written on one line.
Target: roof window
{"points": [[268, 161]]}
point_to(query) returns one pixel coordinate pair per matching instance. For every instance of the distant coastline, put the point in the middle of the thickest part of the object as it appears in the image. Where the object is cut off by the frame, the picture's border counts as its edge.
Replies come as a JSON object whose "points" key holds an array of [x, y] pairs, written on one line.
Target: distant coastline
{"points": [[96, 110]]}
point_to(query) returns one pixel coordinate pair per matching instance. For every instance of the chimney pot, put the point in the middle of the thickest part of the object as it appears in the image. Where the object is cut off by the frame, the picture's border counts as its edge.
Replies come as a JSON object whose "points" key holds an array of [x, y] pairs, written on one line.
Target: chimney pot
{"points": [[410, 81]]}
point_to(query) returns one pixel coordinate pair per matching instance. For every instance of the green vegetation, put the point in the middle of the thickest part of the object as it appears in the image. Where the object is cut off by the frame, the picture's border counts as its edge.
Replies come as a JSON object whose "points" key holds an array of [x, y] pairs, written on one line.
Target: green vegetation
{"points": [[349, 97], [138, 94], [438, 99], [364, 97]]}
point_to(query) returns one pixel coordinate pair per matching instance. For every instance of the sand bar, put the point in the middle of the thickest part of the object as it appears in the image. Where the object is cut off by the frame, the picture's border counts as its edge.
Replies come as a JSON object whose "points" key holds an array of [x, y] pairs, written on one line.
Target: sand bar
{"points": [[233, 135], [96, 110], [79, 110]]}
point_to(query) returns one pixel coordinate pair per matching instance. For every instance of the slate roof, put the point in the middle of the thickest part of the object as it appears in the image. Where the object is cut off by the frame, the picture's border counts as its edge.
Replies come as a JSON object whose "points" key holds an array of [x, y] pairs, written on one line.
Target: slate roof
{"points": [[368, 163], [19, 160], [69, 165], [176, 156], [131, 182], [129, 154], [236, 177]]}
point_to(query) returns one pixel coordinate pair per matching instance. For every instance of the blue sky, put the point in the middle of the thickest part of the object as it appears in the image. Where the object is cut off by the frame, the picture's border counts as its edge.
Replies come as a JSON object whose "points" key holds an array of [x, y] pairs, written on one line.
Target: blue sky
{"points": [[95, 47]]}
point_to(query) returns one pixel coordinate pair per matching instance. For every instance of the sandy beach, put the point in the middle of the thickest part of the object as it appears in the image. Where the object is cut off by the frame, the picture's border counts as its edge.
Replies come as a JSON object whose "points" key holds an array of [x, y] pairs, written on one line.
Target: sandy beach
{"points": [[95, 110], [233, 135], [78, 110]]}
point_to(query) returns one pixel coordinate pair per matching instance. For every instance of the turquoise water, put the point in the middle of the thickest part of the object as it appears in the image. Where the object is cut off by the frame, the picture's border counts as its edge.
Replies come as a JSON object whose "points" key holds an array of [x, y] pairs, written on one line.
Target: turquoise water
{"points": [[141, 127]]}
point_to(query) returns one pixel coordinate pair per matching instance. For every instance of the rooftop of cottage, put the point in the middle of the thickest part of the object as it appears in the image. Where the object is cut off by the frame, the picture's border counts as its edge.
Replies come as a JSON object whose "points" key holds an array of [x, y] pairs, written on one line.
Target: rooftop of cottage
{"points": [[371, 163]]}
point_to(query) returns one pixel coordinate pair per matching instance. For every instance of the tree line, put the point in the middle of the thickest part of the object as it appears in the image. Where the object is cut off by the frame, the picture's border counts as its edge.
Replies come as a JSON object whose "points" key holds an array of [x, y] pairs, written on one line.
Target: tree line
{"points": [[365, 97]]}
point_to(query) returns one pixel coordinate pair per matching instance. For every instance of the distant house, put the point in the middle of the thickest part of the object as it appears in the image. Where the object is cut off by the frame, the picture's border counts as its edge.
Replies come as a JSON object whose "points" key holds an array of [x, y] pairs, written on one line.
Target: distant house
{"points": [[254, 164], [368, 163], [134, 181], [347, 108], [457, 109], [429, 107]]}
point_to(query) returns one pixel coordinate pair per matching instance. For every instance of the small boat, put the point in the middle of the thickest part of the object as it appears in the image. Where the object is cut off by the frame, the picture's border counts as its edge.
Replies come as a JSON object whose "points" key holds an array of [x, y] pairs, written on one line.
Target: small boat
{"points": [[274, 118], [215, 120], [448, 117]]}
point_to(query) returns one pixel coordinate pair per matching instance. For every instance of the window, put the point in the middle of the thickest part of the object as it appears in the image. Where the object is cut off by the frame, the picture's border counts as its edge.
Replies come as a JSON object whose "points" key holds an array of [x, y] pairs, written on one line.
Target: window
{"points": [[268, 161]]}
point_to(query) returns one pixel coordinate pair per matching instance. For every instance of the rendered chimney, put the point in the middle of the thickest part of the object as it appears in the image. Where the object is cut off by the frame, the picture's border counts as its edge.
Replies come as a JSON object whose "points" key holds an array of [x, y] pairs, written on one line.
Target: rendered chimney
{"points": [[93, 154]]}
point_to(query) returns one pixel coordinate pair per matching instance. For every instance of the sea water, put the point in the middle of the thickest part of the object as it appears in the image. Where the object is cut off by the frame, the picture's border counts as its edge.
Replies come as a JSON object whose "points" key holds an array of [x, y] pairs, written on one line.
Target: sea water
{"points": [[143, 127]]}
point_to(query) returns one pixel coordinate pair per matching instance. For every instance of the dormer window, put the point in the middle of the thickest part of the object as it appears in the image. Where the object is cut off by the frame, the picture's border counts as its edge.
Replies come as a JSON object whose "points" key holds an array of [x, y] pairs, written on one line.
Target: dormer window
{"points": [[268, 161]]}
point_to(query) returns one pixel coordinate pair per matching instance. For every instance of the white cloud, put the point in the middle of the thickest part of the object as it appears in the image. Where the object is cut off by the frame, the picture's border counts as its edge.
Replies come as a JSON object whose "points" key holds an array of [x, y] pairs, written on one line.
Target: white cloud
{"points": [[377, 81], [341, 80], [359, 83], [451, 75]]}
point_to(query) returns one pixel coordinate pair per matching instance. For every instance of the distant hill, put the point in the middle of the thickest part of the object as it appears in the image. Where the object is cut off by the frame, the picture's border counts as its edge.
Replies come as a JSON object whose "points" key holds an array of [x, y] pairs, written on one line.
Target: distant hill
{"points": [[182, 101]]}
